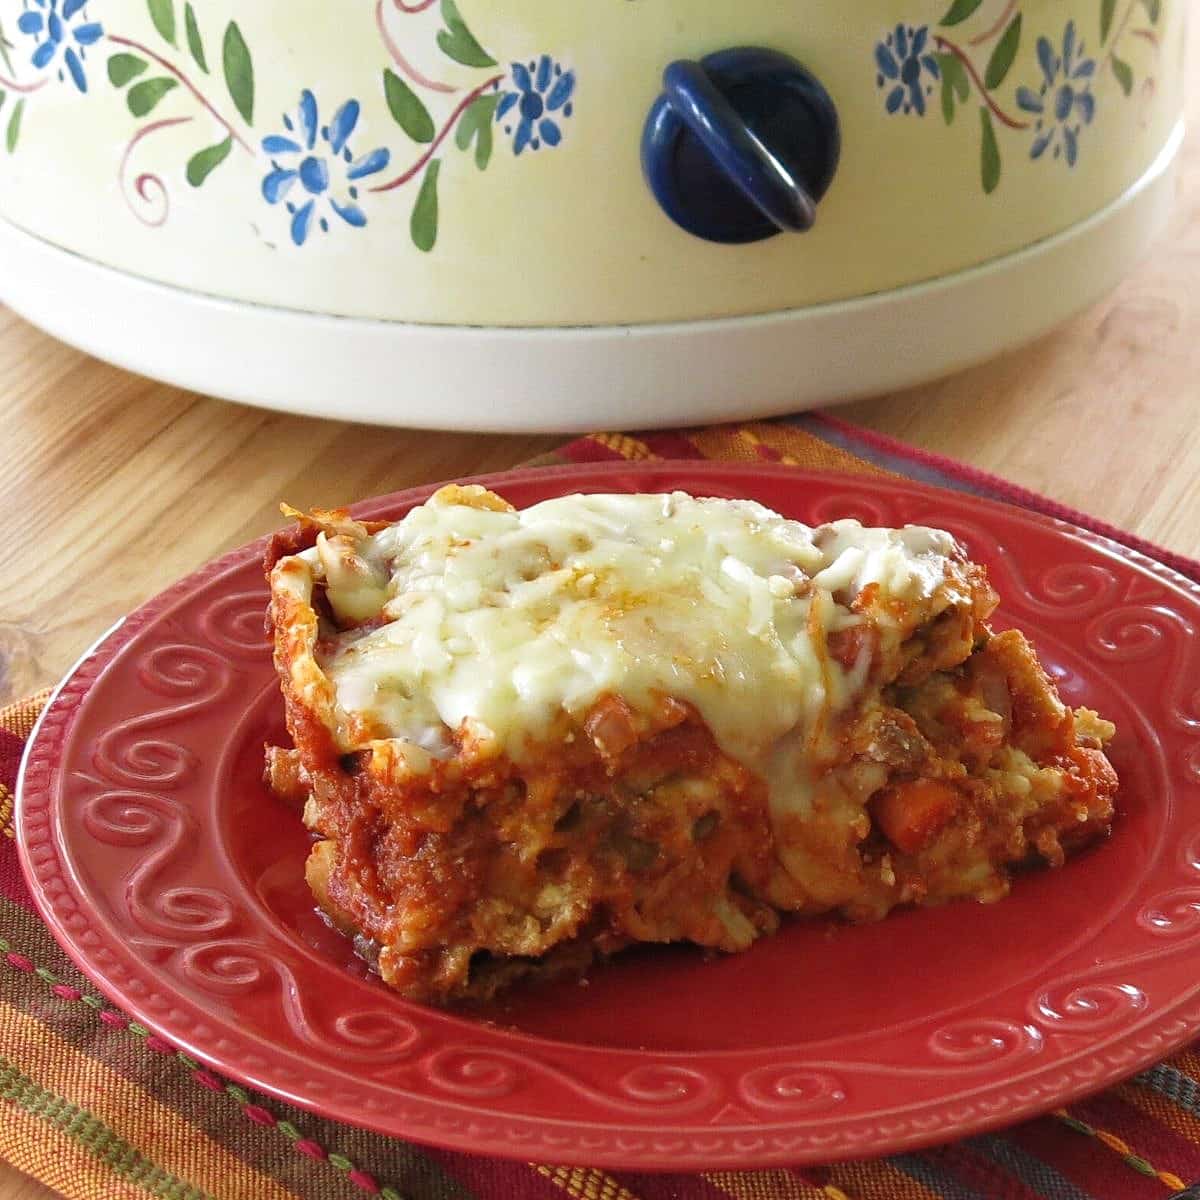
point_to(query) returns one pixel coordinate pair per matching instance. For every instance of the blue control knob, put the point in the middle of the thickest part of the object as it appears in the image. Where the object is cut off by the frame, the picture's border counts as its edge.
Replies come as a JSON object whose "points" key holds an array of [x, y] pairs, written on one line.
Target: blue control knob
{"points": [[741, 145]]}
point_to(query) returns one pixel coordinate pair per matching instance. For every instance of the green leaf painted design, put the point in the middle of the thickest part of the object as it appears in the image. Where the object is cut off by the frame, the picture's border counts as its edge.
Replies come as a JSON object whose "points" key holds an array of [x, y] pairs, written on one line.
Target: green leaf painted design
{"points": [[1002, 57], [162, 13], [124, 67], [954, 83], [194, 41], [239, 71], [202, 164], [484, 143], [947, 100], [484, 139], [406, 108], [458, 42], [143, 96], [476, 122], [962, 82], [960, 10], [1107, 9], [1124, 73], [3, 97], [424, 222], [989, 154], [1153, 10], [14, 126]]}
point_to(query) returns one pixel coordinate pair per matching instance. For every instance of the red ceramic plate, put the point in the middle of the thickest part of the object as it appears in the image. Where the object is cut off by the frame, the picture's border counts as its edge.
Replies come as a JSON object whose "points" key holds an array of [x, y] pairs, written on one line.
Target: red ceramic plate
{"points": [[174, 880]]}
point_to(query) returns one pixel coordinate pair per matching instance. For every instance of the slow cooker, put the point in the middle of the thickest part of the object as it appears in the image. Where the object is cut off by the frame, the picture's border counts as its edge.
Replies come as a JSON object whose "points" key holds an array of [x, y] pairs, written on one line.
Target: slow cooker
{"points": [[536, 215]]}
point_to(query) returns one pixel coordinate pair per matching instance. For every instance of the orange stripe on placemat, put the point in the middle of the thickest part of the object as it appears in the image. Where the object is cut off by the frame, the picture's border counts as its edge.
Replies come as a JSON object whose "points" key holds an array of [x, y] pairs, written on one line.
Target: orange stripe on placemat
{"points": [[777, 444], [1161, 1109], [804, 449], [879, 1180], [766, 1185], [62, 1164], [160, 1133], [584, 1183], [1188, 1062], [19, 718], [624, 445]]}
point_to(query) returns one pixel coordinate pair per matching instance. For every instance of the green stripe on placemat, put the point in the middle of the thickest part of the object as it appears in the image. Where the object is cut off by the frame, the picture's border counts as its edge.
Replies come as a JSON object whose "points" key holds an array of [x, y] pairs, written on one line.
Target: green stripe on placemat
{"points": [[93, 1134]]}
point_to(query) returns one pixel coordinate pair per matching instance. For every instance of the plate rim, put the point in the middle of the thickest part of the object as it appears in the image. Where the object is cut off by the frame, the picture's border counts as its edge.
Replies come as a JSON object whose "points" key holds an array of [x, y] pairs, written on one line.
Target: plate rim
{"points": [[721, 1148]]}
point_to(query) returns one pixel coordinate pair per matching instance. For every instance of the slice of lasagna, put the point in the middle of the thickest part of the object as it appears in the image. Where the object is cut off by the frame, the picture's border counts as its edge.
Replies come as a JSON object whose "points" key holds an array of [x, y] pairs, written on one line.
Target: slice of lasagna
{"points": [[526, 738]]}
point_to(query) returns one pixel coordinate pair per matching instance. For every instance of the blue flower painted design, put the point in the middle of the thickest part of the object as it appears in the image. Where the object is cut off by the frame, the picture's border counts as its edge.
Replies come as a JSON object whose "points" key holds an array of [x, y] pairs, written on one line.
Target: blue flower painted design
{"points": [[906, 69], [1064, 103], [60, 36], [532, 113], [317, 158]]}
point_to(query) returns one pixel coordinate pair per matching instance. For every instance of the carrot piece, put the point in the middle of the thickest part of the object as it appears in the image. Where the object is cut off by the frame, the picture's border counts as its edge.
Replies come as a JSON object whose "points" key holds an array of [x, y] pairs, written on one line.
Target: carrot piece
{"points": [[911, 813]]}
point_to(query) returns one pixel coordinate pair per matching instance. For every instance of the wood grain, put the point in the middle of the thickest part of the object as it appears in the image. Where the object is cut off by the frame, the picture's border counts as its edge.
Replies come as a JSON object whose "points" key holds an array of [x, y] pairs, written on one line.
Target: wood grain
{"points": [[114, 485], [123, 484]]}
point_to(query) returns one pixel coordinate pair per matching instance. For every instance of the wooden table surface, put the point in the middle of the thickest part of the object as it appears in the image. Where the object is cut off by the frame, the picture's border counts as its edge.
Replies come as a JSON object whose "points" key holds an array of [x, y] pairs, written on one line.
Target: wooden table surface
{"points": [[113, 485]]}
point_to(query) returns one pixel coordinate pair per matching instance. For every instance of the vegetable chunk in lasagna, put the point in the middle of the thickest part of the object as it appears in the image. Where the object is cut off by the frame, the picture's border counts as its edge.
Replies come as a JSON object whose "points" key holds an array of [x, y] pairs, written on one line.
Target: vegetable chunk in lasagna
{"points": [[523, 739]]}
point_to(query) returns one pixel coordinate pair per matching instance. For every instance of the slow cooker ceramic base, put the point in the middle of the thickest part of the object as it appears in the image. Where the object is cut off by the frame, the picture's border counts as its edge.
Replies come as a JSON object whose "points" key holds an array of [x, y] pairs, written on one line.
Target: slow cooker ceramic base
{"points": [[574, 379]]}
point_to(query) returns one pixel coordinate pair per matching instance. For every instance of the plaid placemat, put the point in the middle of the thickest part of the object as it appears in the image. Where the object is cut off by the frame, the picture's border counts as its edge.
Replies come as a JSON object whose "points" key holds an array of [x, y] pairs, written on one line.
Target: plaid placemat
{"points": [[100, 1107]]}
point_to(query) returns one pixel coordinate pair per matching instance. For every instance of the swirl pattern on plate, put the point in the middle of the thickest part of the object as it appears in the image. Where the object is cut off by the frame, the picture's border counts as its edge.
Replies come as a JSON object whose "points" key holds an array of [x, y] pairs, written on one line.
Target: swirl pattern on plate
{"points": [[127, 772]]}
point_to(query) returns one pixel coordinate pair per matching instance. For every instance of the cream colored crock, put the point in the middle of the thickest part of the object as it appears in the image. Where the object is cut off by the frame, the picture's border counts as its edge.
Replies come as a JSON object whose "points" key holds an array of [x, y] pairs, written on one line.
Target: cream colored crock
{"points": [[153, 138]]}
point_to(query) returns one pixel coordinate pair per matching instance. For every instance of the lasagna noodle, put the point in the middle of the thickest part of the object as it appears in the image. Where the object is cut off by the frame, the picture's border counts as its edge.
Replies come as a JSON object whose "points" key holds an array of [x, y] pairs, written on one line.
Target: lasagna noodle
{"points": [[524, 738]]}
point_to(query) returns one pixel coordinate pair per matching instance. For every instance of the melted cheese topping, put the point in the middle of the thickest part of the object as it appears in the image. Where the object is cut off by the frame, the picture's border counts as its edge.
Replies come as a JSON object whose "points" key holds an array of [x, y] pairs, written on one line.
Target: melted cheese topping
{"points": [[497, 621]]}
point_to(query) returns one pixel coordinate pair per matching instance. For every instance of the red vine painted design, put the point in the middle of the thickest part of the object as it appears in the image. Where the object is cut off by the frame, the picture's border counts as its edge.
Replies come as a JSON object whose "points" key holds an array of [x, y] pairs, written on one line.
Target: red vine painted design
{"points": [[535, 97], [948, 47], [397, 55], [1055, 106], [25, 88], [447, 126], [170, 67], [146, 186], [994, 31], [313, 175]]}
